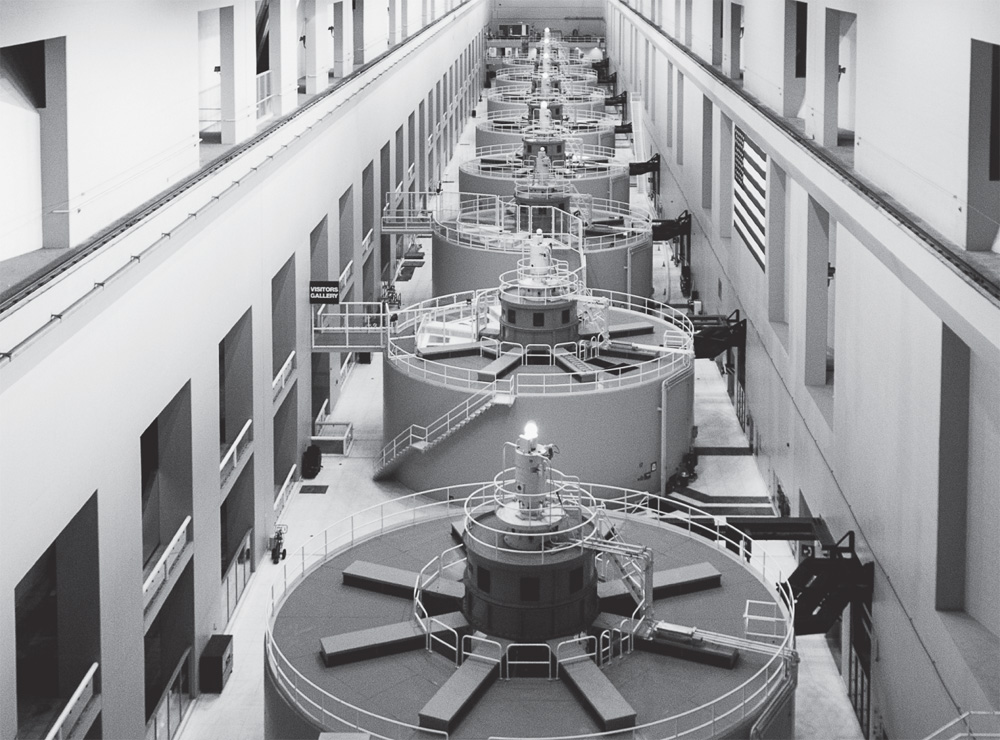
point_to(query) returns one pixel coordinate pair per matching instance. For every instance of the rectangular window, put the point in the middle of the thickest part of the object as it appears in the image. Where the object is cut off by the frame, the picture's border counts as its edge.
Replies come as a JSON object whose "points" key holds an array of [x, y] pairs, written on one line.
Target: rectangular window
{"points": [[565, 316], [801, 34], [482, 579], [575, 580], [538, 319], [511, 317]]}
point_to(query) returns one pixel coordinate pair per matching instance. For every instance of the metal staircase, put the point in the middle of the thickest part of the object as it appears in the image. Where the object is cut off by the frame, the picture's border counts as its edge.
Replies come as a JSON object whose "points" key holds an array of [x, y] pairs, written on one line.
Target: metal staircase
{"points": [[822, 587], [632, 563], [423, 438]]}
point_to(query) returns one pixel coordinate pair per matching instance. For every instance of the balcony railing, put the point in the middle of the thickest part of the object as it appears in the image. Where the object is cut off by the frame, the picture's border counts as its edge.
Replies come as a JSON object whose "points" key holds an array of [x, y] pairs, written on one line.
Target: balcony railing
{"points": [[173, 704], [164, 566], [264, 95], [237, 450], [346, 274], [281, 498], [71, 714], [283, 377], [332, 437], [366, 243]]}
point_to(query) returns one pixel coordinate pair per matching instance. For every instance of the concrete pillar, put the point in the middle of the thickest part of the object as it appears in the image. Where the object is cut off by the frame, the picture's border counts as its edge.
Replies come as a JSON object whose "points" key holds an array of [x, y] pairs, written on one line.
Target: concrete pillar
{"points": [[8, 659], [239, 109], [722, 174], [318, 20], [823, 54], [54, 145], [777, 203], [393, 21], [283, 55], [359, 33], [817, 254], [343, 38]]}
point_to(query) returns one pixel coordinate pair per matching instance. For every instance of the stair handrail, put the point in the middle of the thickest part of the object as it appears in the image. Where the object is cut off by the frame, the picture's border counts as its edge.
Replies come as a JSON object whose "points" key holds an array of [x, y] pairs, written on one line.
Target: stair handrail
{"points": [[444, 425], [70, 714], [973, 724]]}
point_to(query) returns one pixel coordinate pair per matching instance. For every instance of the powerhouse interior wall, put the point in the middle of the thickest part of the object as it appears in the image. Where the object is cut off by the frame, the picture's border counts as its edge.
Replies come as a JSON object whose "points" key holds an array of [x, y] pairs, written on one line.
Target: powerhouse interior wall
{"points": [[113, 369]]}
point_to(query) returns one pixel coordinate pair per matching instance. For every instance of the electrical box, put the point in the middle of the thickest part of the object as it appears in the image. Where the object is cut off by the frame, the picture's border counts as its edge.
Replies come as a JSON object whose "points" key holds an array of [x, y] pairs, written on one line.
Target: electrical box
{"points": [[216, 664]]}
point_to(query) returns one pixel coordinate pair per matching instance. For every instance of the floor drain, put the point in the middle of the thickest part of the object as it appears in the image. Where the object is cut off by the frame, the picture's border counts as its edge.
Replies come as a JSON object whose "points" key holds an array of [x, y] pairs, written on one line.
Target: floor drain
{"points": [[313, 489]]}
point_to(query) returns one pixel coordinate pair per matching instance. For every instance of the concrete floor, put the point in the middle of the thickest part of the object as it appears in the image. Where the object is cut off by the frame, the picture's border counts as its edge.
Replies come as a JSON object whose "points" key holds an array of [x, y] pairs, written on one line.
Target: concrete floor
{"points": [[823, 710]]}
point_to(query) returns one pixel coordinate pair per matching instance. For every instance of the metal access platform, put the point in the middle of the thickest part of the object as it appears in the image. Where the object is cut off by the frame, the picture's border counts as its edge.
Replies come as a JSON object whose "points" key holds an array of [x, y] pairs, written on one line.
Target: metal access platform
{"points": [[350, 327]]}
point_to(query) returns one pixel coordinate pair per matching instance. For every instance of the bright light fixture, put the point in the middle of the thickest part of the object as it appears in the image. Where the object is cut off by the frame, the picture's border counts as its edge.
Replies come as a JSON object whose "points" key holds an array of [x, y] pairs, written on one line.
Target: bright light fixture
{"points": [[530, 430]]}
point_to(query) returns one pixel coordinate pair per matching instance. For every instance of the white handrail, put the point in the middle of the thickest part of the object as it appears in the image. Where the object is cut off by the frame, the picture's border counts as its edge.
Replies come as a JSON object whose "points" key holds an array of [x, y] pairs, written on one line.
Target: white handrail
{"points": [[161, 571], [74, 707], [278, 384], [972, 725], [440, 427], [233, 453], [346, 274], [323, 412], [281, 499]]}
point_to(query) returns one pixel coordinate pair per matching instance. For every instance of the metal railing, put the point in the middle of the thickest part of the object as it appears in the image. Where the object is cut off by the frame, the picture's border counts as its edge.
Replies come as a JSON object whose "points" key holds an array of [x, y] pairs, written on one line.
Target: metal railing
{"points": [[969, 726], [264, 95], [577, 165], [349, 326], [333, 437], [569, 96], [713, 717], [346, 274], [442, 427], [283, 376], [763, 622], [65, 723], [236, 452], [509, 659], [160, 573], [173, 704], [366, 243], [588, 643], [281, 498], [674, 358], [426, 578]]}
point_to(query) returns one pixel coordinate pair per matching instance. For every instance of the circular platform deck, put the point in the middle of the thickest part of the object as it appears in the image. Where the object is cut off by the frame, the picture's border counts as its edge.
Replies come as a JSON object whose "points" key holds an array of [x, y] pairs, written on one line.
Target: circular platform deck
{"points": [[398, 686]]}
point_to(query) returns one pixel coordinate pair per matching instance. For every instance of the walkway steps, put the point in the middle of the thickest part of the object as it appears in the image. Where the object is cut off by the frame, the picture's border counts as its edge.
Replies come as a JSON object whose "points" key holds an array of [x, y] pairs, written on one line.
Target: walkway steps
{"points": [[441, 596], [445, 351], [682, 642], [615, 596], [631, 329], [458, 694], [576, 367], [388, 639], [600, 696], [500, 366]]}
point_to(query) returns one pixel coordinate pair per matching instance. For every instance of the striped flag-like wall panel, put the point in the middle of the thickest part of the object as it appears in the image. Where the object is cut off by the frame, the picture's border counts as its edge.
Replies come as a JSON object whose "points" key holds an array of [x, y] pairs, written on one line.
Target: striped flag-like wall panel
{"points": [[750, 194]]}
